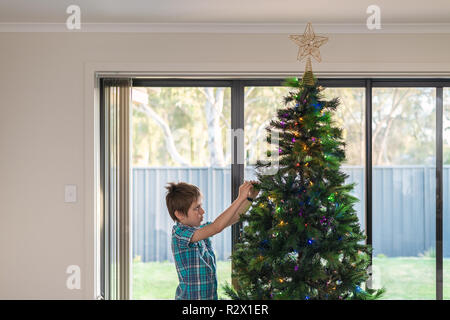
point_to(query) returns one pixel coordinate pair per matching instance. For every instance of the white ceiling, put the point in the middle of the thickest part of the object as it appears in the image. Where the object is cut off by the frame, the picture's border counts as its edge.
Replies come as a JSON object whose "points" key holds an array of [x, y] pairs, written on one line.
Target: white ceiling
{"points": [[226, 16], [225, 11]]}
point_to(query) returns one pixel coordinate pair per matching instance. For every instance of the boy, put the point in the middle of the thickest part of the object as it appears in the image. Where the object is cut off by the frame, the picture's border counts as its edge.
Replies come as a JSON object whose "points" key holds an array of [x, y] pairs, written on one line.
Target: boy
{"points": [[191, 247]]}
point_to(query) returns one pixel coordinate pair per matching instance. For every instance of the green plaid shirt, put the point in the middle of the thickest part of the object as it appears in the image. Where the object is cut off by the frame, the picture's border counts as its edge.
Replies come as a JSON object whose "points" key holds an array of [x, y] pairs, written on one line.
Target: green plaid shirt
{"points": [[196, 265]]}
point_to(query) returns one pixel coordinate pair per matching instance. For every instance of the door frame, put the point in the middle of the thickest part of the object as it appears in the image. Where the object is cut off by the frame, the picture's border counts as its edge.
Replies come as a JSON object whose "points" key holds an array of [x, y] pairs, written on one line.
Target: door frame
{"points": [[91, 272]]}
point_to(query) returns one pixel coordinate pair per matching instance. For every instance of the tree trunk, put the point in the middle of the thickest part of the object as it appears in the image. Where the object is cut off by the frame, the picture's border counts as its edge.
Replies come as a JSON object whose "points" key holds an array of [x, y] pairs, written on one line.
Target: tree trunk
{"points": [[170, 144]]}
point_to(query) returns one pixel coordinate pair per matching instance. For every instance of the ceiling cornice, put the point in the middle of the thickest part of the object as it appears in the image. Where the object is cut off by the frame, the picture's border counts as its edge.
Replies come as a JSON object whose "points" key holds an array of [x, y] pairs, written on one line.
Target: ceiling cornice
{"points": [[254, 28]]}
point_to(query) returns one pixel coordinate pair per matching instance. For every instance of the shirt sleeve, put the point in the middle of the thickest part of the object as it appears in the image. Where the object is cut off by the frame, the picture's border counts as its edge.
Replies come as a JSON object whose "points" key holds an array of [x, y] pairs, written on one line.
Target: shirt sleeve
{"points": [[205, 224], [183, 235], [207, 240]]}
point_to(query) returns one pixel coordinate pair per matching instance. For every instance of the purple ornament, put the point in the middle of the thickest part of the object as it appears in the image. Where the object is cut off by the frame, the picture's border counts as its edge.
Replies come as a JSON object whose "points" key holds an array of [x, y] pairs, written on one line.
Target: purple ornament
{"points": [[296, 268], [293, 139]]}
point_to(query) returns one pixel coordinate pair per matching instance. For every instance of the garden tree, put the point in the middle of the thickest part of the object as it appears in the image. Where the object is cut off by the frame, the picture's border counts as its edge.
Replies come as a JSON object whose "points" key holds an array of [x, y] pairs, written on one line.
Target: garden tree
{"points": [[302, 238], [180, 112], [168, 137], [174, 116], [183, 121], [192, 113], [401, 122], [403, 119], [259, 111], [350, 117]]}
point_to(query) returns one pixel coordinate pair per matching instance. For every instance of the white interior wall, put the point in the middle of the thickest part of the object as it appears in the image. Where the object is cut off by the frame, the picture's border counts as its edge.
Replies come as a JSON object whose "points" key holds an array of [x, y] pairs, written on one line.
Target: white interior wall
{"points": [[46, 125]]}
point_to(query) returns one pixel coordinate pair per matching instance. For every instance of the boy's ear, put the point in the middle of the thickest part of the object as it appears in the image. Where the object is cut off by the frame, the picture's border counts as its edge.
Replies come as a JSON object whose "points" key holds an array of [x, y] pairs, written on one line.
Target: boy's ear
{"points": [[179, 215]]}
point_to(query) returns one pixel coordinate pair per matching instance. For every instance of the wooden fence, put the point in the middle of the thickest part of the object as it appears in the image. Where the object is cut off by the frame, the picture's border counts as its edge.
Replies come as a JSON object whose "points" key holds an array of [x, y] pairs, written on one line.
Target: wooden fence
{"points": [[404, 203]]}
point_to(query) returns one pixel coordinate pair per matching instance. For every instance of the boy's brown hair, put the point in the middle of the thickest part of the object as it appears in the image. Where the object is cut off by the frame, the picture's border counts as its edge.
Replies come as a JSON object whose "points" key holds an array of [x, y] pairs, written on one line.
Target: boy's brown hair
{"points": [[180, 196]]}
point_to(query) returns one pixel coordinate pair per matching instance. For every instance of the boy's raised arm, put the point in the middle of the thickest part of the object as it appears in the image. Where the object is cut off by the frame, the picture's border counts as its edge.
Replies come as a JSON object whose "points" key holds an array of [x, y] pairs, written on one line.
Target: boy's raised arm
{"points": [[225, 218], [243, 208]]}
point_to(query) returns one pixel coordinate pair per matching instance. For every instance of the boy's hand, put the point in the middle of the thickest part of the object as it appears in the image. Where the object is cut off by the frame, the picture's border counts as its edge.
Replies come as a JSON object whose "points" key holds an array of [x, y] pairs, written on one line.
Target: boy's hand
{"points": [[244, 190], [247, 190]]}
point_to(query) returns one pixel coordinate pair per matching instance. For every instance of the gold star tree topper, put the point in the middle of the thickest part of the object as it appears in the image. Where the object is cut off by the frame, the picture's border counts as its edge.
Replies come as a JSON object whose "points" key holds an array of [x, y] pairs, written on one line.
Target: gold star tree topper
{"points": [[309, 45]]}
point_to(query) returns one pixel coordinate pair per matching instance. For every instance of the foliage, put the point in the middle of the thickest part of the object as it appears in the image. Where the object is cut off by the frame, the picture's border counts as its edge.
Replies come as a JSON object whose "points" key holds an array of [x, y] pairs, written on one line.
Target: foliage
{"points": [[430, 253], [404, 126], [183, 111], [402, 120]]}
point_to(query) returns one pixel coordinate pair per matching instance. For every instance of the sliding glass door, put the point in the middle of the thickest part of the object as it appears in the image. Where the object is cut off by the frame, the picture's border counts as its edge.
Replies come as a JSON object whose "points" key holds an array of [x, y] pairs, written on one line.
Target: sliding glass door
{"points": [[179, 134], [189, 130], [446, 193], [404, 191]]}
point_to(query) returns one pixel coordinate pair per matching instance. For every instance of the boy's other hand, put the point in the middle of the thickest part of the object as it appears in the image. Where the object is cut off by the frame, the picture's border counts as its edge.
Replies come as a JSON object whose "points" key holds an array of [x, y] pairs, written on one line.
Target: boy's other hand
{"points": [[246, 190], [253, 191]]}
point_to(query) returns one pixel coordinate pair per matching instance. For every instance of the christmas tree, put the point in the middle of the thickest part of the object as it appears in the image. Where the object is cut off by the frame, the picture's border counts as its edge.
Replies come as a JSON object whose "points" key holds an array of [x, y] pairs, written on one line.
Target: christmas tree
{"points": [[302, 238]]}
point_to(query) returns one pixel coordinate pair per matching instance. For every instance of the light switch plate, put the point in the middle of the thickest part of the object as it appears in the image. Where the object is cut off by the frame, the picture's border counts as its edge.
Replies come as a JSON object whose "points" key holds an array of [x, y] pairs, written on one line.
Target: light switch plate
{"points": [[70, 194]]}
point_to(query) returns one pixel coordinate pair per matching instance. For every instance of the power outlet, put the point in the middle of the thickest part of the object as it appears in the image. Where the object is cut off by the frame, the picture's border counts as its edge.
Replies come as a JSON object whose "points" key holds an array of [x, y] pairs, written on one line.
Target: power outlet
{"points": [[70, 194]]}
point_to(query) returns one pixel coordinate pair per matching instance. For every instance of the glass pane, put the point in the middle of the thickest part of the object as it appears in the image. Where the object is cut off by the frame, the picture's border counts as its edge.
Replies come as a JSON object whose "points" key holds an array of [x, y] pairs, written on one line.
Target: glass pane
{"points": [[350, 115], [178, 134], [404, 192], [260, 105], [446, 193]]}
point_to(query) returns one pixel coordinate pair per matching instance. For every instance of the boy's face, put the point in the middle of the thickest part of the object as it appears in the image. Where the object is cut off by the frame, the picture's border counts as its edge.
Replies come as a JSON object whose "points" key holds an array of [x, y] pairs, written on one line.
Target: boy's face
{"points": [[195, 214]]}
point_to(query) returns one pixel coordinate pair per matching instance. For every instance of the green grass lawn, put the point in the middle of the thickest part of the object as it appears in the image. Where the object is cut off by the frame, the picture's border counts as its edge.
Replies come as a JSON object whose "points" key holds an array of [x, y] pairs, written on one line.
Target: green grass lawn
{"points": [[403, 278], [409, 278], [159, 280]]}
